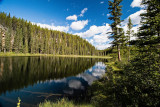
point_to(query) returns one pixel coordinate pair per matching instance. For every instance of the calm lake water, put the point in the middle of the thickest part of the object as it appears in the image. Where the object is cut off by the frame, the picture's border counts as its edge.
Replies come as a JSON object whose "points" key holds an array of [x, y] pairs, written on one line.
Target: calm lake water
{"points": [[36, 79]]}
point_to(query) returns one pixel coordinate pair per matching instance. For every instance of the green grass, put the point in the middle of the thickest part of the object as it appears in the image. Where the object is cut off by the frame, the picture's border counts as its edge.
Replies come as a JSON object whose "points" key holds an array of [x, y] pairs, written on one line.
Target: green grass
{"points": [[63, 103], [28, 54], [113, 66]]}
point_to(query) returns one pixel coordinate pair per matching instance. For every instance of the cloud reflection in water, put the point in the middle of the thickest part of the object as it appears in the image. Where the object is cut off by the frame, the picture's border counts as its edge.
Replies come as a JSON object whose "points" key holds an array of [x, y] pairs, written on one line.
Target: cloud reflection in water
{"points": [[82, 80]]}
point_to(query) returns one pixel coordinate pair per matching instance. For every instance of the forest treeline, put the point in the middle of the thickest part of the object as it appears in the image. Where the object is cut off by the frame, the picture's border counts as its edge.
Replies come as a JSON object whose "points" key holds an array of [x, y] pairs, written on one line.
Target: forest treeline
{"points": [[20, 36]]}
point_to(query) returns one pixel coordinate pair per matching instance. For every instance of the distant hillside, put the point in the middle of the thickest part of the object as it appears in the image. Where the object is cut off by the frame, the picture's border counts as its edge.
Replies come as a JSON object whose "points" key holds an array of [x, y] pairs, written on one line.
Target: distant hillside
{"points": [[21, 36]]}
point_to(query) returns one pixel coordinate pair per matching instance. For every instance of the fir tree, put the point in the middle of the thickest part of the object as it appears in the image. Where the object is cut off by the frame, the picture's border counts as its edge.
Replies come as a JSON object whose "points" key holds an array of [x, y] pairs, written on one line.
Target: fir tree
{"points": [[149, 35], [25, 36], [115, 10], [150, 31], [129, 34], [8, 40]]}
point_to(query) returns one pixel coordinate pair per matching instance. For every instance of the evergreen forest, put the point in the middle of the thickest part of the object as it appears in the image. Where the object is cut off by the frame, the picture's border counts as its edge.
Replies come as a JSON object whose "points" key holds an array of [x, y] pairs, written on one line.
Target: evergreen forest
{"points": [[20, 36]]}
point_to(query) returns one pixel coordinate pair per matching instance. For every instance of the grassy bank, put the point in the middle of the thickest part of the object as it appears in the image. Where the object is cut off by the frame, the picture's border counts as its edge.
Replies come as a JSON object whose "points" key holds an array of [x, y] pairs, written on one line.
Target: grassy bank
{"points": [[75, 56], [63, 103], [113, 66]]}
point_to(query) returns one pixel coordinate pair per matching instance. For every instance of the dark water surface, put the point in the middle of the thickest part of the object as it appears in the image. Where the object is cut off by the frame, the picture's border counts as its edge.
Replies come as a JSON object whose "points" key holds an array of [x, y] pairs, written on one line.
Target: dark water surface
{"points": [[36, 79]]}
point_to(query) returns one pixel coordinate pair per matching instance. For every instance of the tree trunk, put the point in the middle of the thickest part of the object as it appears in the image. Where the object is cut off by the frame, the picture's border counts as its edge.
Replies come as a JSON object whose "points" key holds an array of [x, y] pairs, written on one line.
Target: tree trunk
{"points": [[119, 53]]}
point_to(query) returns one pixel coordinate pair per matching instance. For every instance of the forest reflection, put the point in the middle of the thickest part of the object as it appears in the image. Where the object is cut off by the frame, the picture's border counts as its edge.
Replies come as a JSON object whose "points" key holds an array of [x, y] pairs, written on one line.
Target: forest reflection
{"points": [[19, 72]]}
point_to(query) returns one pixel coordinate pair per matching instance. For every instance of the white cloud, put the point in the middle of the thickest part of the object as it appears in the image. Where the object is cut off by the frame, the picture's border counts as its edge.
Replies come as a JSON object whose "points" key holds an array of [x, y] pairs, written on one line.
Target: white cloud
{"points": [[102, 46], [83, 11], [100, 65], [101, 2], [88, 78], [108, 15], [98, 72], [103, 38], [135, 17], [95, 30], [137, 3], [99, 36], [79, 25], [75, 84], [74, 17], [64, 80], [90, 41], [53, 27]]}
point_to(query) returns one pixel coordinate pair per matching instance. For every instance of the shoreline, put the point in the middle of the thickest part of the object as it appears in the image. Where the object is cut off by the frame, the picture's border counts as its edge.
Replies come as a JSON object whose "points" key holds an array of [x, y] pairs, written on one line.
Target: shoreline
{"points": [[7, 54]]}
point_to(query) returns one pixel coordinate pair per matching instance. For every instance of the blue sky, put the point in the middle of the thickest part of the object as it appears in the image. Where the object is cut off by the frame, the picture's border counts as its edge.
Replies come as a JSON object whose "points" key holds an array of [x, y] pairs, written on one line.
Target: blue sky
{"points": [[86, 18]]}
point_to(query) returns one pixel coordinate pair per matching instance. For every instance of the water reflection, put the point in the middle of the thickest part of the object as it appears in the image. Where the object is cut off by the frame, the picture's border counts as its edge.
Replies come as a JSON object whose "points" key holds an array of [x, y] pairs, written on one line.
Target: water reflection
{"points": [[19, 72], [82, 80], [35, 79]]}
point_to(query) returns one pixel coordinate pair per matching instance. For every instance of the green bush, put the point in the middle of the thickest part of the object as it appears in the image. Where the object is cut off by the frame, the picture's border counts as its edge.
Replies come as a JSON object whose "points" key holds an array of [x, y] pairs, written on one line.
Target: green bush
{"points": [[138, 86]]}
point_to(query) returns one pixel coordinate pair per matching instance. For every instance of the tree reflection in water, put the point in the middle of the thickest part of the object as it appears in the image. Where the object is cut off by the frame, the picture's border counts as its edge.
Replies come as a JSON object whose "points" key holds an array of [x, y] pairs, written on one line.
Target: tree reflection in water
{"points": [[43, 78]]}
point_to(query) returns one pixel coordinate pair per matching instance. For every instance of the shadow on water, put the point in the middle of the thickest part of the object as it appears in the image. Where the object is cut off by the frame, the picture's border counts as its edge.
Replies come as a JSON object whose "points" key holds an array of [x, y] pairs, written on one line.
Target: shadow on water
{"points": [[35, 79]]}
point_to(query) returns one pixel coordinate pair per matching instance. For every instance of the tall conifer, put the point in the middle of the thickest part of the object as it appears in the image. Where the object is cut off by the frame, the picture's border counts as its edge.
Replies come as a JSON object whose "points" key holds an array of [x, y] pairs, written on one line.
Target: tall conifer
{"points": [[129, 34], [115, 10]]}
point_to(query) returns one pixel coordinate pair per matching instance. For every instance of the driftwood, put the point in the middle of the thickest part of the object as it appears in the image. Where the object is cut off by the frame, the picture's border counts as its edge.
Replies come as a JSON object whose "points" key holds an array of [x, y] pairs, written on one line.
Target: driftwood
{"points": [[45, 95]]}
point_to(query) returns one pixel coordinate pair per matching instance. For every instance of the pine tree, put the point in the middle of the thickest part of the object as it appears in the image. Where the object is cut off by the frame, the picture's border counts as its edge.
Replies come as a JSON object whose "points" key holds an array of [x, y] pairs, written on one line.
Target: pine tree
{"points": [[31, 37], [25, 36], [115, 10], [14, 23], [47, 36], [149, 35], [123, 38], [20, 36], [8, 40], [129, 34], [9, 21], [150, 31], [3, 19], [15, 45], [18, 39]]}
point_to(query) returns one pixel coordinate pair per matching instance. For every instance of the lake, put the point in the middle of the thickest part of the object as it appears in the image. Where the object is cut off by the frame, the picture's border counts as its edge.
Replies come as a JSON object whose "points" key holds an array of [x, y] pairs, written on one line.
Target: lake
{"points": [[36, 79]]}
